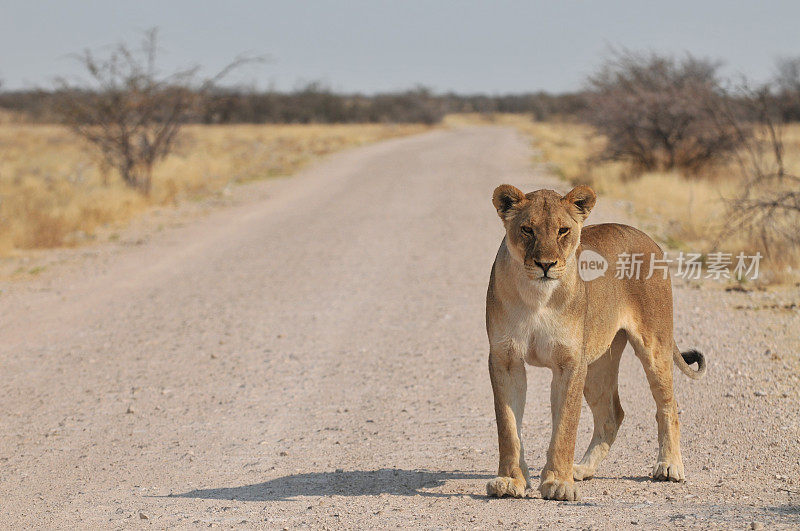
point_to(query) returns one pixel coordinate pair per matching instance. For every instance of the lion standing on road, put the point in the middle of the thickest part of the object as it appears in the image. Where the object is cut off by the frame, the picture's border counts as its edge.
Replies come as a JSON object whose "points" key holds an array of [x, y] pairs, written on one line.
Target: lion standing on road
{"points": [[541, 312]]}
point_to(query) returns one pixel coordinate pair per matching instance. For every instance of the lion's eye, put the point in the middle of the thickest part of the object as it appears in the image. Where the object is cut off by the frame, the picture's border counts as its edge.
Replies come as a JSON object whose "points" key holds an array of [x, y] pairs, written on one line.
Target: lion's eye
{"points": [[563, 230], [526, 230]]}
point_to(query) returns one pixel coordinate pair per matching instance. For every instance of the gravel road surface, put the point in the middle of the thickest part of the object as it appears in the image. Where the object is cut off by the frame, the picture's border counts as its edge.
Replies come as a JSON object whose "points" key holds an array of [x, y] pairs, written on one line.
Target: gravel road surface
{"points": [[315, 355]]}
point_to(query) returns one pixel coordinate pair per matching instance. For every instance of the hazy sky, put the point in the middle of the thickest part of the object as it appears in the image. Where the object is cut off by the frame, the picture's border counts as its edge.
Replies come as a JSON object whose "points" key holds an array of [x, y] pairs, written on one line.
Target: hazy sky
{"points": [[369, 46]]}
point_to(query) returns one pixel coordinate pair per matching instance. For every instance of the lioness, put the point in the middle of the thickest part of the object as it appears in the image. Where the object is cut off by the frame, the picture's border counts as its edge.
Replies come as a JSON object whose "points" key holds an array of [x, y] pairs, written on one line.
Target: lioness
{"points": [[540, 311]]}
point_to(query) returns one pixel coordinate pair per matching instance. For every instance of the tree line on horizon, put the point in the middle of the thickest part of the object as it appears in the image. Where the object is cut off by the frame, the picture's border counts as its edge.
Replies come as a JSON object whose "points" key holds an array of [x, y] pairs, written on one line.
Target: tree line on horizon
{"points": [[676, 82], [315, 103]]}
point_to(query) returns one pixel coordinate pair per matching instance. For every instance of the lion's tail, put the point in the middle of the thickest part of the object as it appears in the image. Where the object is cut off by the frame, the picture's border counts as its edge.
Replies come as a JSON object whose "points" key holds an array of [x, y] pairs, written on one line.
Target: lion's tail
{"points": [[684, 359]]}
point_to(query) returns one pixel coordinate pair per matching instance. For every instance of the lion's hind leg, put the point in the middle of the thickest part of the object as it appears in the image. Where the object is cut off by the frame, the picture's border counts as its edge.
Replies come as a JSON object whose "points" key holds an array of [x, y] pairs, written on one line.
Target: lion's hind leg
{"points": [[600, 391], [656, 356]]}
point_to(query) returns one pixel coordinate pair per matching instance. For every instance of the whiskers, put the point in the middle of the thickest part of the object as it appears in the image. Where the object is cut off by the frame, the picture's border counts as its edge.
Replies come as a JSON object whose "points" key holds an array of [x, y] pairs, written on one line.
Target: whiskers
{"points": [[534, 271]]}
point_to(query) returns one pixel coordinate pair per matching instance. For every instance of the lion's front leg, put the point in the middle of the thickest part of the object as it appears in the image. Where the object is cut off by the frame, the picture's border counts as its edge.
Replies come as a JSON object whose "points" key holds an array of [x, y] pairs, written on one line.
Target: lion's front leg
{"points": [[509, 384], [565, 400]]}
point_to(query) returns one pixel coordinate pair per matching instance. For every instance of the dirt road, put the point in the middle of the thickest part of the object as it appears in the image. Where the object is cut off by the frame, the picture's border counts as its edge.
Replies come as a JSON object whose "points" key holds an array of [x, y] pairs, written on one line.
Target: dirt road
{"points": [[316, 355]]}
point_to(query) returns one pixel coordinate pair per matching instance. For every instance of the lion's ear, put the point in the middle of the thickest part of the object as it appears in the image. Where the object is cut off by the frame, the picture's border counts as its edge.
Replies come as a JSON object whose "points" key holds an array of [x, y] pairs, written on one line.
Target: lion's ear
{"points": [[580, 201], [505, 199]]}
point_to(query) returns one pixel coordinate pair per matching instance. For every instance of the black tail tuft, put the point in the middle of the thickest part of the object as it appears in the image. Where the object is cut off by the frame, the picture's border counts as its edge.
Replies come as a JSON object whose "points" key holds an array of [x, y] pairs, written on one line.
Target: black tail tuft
{"points": [[695, 356]]}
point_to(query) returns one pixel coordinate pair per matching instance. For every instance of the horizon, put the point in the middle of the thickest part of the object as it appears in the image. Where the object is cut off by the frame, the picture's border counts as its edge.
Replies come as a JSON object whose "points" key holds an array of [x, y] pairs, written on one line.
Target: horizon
{"points": [[369, 48]]}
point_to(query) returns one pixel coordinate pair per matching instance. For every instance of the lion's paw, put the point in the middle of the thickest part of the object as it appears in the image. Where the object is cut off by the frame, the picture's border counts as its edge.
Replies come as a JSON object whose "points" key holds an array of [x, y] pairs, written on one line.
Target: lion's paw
{"points": [[664, 471], [556, 489], [581, 472], [504, 486]]}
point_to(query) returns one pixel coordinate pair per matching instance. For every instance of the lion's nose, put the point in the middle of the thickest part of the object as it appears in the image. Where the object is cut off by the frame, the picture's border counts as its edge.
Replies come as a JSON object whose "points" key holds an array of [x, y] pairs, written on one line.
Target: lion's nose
{"points": [[544, 265]]}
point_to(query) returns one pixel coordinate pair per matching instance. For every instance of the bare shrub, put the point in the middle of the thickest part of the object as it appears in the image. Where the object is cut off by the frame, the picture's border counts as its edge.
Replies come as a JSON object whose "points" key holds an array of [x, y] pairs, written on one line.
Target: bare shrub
{"points": [[654, 110], [131, 112], [786, 88], [767, 210]]}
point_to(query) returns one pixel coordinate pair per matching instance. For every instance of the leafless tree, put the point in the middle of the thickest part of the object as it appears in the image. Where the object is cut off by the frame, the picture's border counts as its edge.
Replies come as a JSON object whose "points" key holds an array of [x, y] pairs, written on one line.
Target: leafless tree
{"points": [[654, 111], [787, 74], [129, 110], [767, 209], [786, 88]]}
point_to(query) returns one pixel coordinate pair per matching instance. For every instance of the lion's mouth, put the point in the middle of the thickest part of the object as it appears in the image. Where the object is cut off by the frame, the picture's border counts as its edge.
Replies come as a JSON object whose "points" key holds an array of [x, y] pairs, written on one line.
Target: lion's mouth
{"points": [[536, 275]]}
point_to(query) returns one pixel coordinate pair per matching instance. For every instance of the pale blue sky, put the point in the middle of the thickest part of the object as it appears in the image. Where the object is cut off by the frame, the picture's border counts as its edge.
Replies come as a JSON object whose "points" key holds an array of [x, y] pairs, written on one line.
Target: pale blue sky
{"points": [[369, 46]]}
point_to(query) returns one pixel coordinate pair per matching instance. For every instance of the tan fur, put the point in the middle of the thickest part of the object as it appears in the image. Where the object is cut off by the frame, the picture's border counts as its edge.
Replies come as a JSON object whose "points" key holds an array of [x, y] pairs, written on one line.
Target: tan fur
{"points": [[578, 329]]}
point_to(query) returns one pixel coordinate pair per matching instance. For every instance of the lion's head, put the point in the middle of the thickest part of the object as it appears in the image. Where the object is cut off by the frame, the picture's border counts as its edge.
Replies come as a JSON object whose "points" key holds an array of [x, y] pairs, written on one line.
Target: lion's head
{"points": [[543, 229]]}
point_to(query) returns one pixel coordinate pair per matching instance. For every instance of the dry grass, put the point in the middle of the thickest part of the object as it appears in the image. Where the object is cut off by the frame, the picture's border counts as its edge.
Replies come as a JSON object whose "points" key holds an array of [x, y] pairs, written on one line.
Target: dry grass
{"points": [[683, 213], [54, 191], [12, 117]]}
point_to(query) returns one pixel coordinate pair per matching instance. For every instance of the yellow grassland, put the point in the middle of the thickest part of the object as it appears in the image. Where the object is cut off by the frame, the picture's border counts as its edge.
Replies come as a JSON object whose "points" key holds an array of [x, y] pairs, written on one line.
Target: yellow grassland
{"points": [[54, 189]]}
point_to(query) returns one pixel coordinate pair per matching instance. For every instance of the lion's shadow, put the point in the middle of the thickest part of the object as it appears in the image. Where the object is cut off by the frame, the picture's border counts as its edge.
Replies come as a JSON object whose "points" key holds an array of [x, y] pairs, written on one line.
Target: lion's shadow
{"points": [[347, 483]]}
